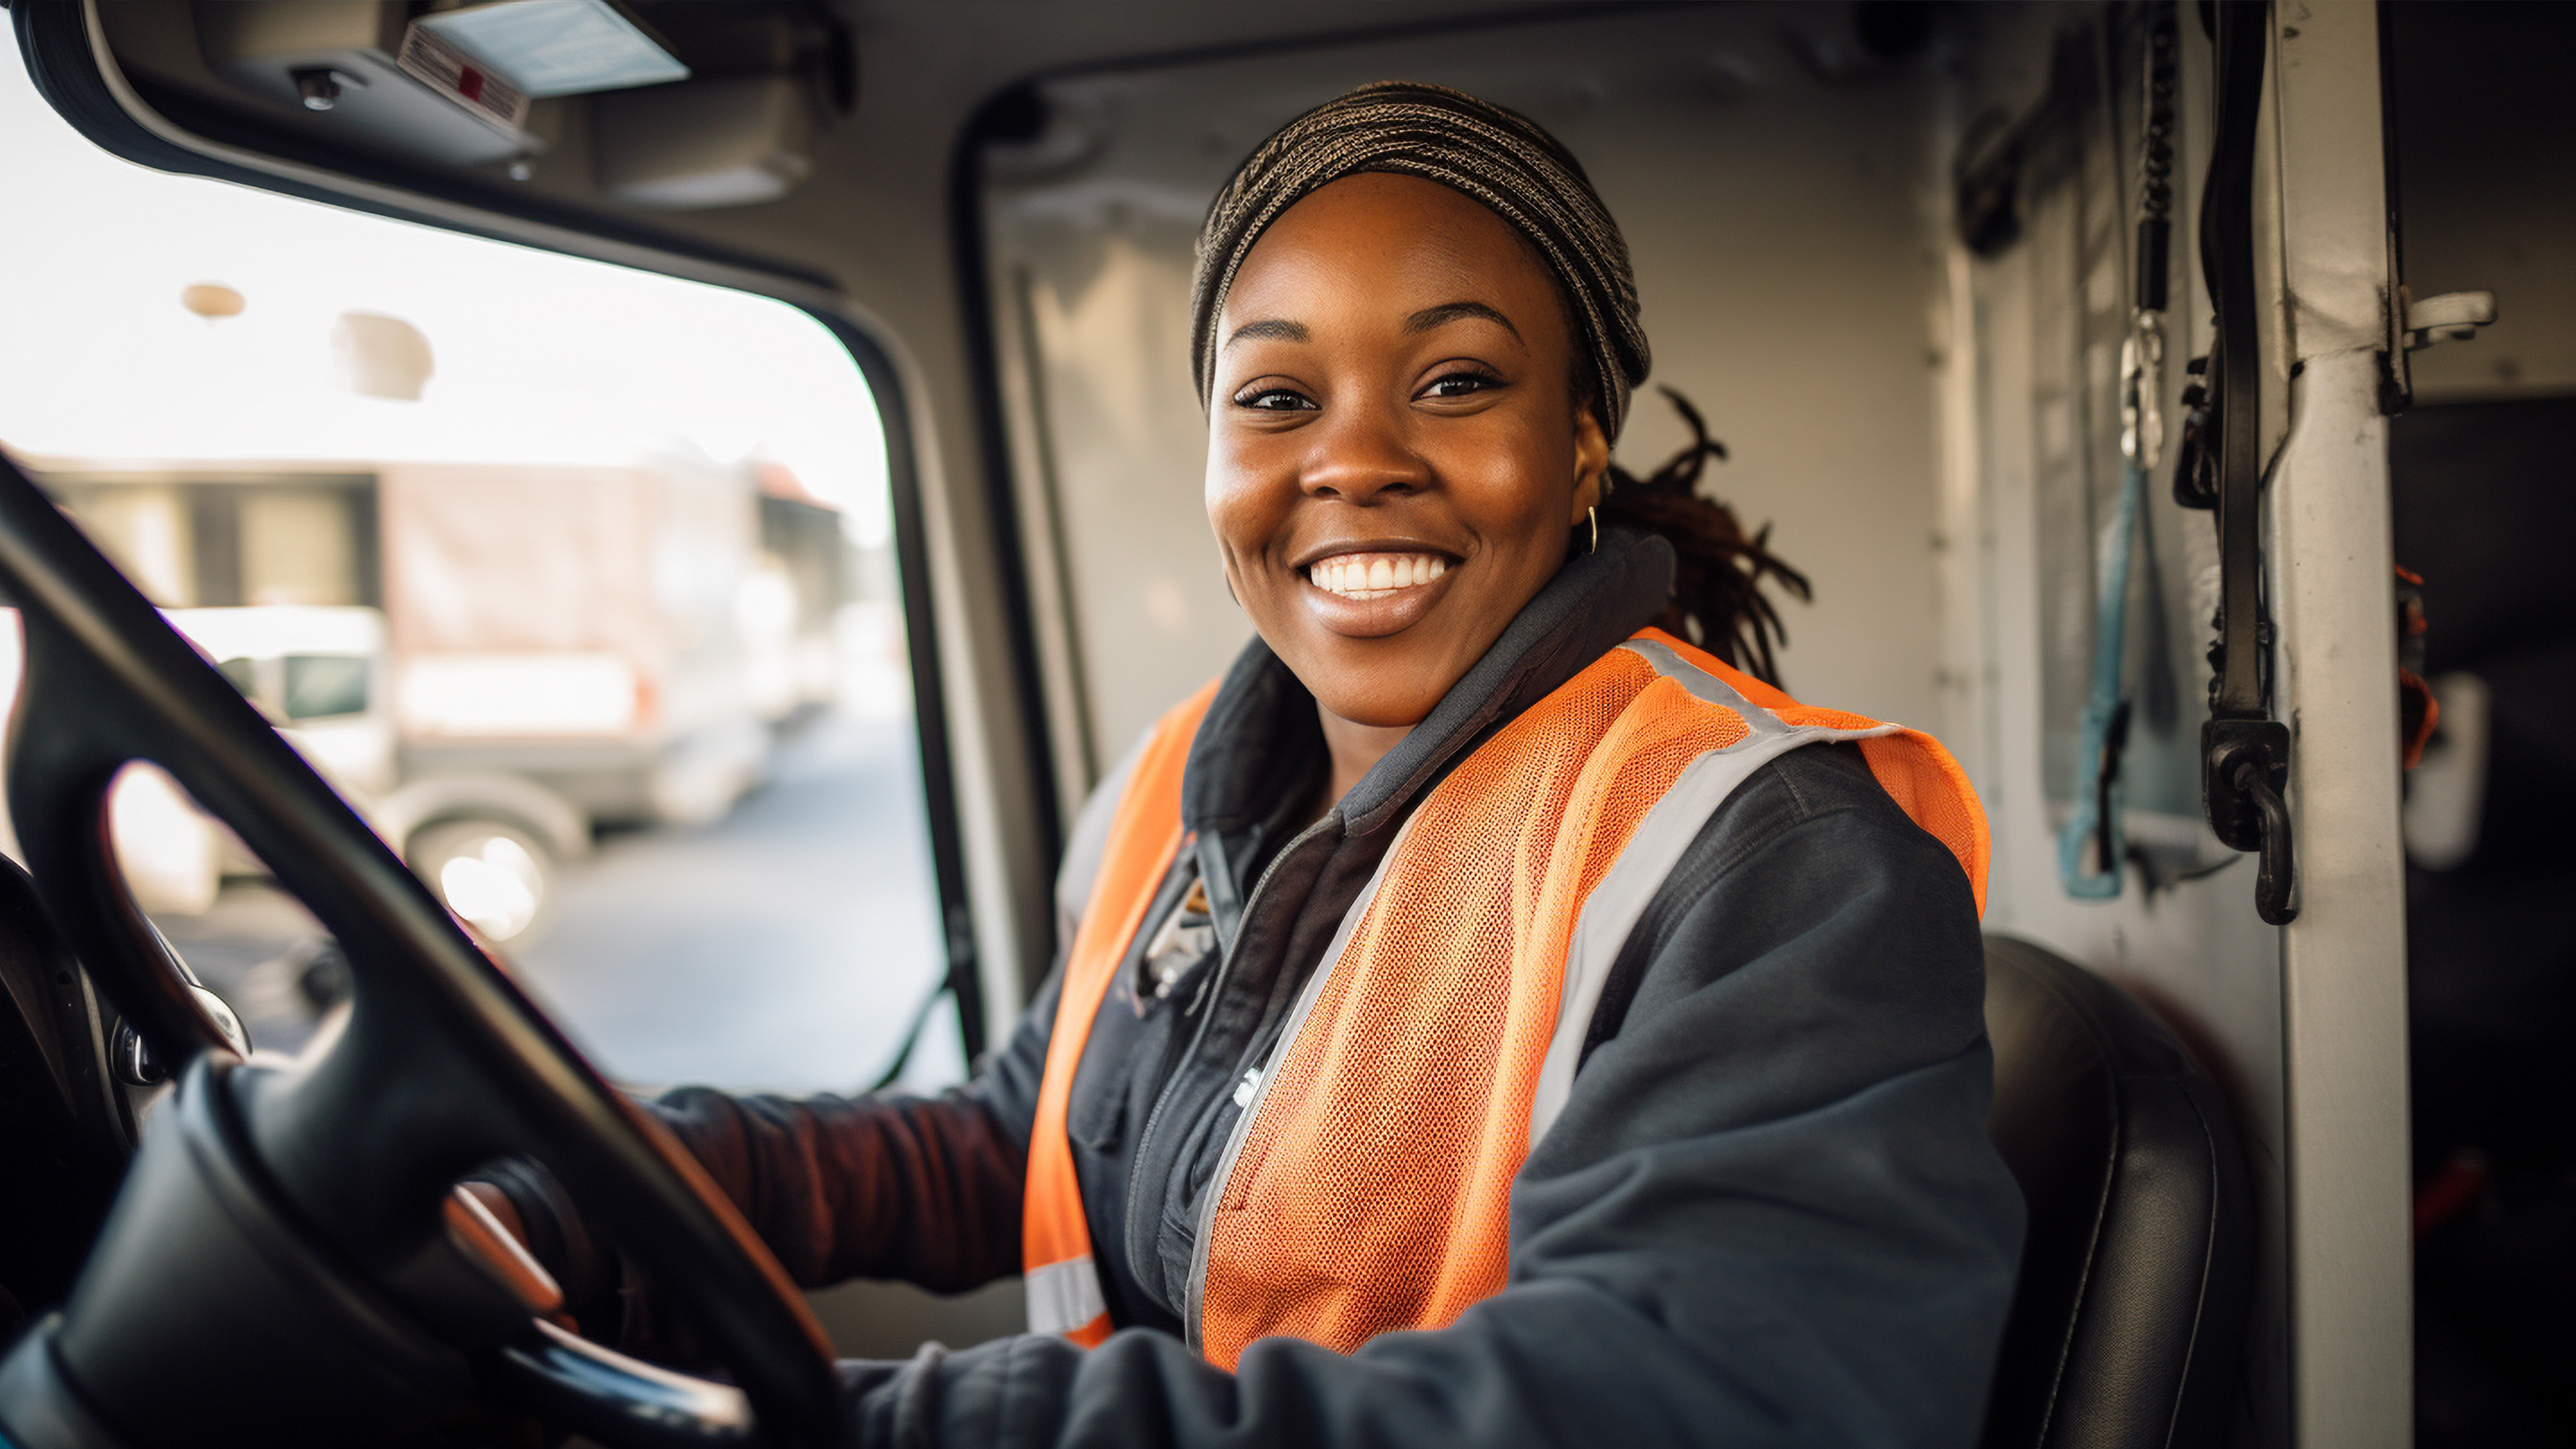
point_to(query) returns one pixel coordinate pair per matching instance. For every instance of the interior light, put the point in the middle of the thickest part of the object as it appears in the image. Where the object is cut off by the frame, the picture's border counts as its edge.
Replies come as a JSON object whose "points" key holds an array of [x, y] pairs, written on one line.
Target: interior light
{"points": [[559, 47]]}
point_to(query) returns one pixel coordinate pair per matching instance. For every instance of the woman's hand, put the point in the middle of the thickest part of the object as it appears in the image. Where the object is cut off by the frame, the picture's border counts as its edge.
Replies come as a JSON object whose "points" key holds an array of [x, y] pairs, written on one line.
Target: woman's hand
{"points": [[485, 1225], [496, 1202]]}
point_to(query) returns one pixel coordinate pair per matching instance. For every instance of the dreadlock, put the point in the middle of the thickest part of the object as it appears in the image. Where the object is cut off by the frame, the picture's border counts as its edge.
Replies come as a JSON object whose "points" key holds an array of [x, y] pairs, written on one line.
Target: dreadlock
{"points": [[1717, 602]]}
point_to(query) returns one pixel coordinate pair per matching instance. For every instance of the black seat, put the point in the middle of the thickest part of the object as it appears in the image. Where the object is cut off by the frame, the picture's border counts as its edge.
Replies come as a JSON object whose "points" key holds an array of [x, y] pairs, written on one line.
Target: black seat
{"points": [[2129, 1318]]}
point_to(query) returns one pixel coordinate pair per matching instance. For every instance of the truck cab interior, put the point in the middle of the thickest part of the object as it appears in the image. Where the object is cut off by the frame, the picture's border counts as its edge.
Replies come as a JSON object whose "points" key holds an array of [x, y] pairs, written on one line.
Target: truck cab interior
{"points": [[2156, 396]]}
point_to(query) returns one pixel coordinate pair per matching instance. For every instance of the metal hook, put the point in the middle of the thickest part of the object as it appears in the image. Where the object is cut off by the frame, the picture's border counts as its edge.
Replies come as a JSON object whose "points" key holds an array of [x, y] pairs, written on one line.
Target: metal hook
{"points": [[2272, 877]]}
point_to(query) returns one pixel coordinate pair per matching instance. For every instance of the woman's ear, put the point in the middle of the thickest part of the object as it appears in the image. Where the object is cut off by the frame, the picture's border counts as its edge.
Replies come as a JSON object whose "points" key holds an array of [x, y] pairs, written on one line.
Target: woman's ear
{"points": [[1591, 461]]}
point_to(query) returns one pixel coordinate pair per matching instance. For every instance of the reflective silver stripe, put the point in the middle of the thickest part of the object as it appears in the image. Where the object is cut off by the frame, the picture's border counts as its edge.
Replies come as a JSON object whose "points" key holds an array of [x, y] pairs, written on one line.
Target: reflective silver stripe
{"points": [[1064, 1296], [1700, 684], [1611, 911], [1307, 995], [1088, 844], [1703, 685]]}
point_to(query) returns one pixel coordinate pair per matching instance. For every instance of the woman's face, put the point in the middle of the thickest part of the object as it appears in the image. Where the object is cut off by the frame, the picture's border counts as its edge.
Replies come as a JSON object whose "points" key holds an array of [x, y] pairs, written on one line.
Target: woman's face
{"points": [[1395, 460]]}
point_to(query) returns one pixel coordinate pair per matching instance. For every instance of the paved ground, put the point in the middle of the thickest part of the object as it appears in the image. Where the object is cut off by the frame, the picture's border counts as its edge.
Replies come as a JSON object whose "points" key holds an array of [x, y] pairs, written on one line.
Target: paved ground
{"points": [[784, 947]]}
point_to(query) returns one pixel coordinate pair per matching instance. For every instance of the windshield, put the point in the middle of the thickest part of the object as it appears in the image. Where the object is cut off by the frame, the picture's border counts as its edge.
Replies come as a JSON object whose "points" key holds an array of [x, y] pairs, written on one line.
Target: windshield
{"points": [[578, 581]]}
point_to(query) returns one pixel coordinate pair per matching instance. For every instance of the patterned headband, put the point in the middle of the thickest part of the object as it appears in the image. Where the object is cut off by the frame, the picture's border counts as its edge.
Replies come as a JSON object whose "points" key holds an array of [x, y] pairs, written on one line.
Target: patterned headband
{"points": [[1498, 157]]}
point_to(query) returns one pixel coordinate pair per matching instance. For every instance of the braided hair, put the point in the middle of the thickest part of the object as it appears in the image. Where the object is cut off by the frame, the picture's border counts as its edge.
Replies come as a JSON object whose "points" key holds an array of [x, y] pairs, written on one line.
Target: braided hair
{"points": [[1717, 602], [1500, 158]]}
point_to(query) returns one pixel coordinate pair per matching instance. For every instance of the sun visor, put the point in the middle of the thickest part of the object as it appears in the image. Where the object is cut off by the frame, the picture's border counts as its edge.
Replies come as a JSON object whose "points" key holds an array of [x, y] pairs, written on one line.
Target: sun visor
{"points": [[653, 106], [375, 78]]}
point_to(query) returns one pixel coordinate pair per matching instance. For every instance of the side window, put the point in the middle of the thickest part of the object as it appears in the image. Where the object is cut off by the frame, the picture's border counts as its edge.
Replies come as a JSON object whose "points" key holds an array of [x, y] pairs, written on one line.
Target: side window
{"points": [[578, 582]]}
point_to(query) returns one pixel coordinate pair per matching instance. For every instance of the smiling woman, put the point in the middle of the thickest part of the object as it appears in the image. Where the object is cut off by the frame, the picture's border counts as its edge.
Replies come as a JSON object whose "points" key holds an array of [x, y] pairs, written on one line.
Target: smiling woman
{"points": [[1475, 957], [1394, 463]]}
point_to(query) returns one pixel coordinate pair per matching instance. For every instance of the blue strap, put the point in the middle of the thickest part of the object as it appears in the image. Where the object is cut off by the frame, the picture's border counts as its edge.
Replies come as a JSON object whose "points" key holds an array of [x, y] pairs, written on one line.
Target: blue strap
{"points": [[2090, 848]]}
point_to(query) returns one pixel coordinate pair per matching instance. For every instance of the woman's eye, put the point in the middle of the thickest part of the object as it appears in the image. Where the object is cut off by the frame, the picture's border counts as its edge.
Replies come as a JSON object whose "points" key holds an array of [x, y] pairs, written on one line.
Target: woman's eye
{"points": [[1272, 400], [1460, 384]]}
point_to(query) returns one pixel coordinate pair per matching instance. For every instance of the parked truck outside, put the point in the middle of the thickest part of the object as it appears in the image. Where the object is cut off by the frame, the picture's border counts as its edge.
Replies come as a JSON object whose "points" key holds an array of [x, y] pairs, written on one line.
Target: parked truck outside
{"points": [[618, 655]]}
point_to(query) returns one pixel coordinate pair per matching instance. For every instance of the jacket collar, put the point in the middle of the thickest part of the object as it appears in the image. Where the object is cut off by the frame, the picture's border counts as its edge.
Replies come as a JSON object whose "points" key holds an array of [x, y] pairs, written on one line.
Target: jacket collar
{"points": [[1261, 734]]}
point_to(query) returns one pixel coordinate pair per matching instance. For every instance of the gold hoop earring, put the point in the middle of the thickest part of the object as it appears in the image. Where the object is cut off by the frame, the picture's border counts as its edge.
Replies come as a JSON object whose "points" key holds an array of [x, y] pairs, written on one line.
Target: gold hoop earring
{"points": [[1593, 516]]}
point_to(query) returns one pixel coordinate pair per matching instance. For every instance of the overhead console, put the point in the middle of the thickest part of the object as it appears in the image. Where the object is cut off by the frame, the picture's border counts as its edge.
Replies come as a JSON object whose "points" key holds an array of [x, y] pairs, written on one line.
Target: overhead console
{"points": [[670, 106]]}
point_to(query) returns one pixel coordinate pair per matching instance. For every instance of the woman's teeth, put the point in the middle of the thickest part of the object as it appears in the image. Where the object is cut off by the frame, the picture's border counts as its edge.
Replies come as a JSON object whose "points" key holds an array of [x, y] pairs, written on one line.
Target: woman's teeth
{"points": [[1375, 575]]}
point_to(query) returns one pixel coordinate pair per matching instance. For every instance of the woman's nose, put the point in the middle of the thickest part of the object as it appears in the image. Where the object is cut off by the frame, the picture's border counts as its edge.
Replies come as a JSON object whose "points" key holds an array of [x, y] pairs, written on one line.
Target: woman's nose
{"points": [[1361, 454]]}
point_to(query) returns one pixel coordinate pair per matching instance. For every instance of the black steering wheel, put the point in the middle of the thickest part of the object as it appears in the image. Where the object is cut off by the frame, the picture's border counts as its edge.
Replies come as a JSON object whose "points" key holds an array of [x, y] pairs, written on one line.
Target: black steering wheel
{"points": [[287, 1253]]}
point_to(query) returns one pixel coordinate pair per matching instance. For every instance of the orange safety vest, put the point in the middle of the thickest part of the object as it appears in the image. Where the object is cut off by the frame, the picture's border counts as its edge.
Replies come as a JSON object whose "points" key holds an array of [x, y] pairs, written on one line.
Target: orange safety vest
{"points": [[1367, 1186]]}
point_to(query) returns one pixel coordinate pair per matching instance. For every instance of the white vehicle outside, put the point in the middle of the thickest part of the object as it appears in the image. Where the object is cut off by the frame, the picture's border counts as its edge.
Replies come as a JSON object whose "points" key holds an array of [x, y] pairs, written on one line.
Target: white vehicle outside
{"points": [[488, 843]]}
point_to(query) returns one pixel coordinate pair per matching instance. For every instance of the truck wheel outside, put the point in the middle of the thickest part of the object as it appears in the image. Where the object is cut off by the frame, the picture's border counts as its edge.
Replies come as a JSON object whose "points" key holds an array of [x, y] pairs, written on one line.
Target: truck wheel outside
{"points": [[495, 876]]}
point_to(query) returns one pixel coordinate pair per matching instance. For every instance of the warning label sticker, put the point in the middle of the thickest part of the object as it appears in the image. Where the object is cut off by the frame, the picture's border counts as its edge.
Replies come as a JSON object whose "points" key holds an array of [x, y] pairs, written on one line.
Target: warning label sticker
{"points": [[431, 60]]}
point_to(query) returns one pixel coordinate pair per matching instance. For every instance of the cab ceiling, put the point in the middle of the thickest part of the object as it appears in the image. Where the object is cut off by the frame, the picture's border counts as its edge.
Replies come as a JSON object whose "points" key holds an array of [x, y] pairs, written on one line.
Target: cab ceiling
{"points": [[903, 81], [952, 53]]}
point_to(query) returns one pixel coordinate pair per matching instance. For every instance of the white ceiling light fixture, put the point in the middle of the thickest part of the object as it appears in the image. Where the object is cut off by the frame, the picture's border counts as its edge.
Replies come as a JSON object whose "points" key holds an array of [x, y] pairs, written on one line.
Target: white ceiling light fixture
{"points": [[559, 47]]}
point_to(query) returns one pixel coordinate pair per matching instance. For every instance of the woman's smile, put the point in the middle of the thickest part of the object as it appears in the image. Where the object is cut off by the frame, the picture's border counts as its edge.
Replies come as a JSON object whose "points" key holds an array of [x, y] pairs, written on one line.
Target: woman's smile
{"points": [[1375, 575], [1370, 592]]}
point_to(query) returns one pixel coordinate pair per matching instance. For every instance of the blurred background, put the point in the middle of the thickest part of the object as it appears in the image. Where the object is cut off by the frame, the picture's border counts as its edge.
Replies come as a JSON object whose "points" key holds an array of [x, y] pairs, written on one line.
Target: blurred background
{"points": [[576, 581]]}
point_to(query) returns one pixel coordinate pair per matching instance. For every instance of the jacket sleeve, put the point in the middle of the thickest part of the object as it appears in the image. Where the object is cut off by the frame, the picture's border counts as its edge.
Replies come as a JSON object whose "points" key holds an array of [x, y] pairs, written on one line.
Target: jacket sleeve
{"points": [[1768, 1214], [925, 1189]]}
